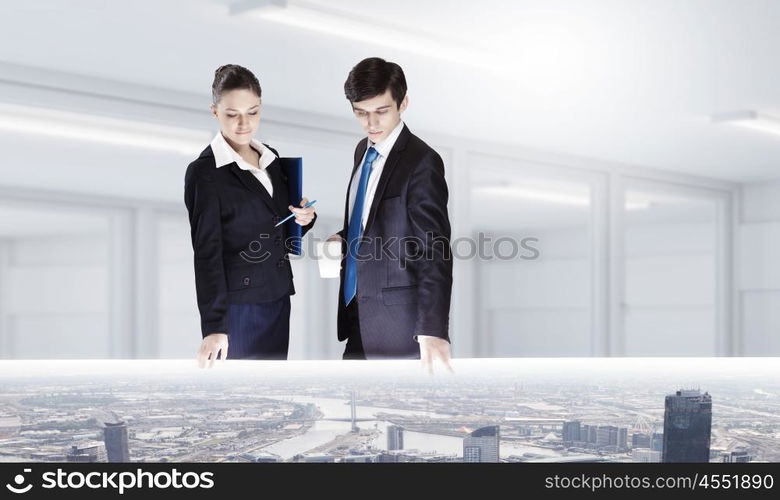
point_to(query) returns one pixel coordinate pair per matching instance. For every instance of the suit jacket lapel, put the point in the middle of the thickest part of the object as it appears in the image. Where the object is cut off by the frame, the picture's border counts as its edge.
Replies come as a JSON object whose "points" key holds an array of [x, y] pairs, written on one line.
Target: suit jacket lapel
{"points": [[251, 183], [279, 182], [359, 152], [387, 170]]}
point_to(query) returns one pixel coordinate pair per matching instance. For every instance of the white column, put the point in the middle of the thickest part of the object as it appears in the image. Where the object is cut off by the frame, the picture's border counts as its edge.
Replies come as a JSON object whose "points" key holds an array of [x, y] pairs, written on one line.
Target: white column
{"points": [[6, 347], [463, 327], [122, 286], [145, 293]]}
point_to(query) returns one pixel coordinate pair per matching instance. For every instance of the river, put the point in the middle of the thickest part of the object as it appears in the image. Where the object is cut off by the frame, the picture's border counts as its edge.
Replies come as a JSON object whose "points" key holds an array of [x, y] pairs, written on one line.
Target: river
{"points": [[324, 431]]}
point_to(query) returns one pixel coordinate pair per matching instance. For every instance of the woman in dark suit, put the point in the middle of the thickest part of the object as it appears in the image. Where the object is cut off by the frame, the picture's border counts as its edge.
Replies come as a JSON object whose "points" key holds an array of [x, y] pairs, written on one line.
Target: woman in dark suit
{"points": [[235, 193]]}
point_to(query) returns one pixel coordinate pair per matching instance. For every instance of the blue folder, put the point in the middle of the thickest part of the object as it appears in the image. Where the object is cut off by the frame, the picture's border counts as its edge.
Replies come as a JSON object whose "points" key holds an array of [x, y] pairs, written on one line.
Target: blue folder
{"points": [[293, 170]]}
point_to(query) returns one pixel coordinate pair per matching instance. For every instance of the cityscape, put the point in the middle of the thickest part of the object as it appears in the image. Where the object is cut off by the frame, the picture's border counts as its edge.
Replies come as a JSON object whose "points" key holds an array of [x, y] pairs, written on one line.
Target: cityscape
{"points": [[497, 410]]}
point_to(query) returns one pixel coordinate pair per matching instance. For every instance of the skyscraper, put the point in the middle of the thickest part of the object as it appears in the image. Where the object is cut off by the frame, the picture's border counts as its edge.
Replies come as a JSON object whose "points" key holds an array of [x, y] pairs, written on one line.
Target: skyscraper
{"points": [[622, 439], [687, 425], [395, 437], [482, 445], [571, 431], [588, 433], [657, 441], [606, 435], [115, 436]]}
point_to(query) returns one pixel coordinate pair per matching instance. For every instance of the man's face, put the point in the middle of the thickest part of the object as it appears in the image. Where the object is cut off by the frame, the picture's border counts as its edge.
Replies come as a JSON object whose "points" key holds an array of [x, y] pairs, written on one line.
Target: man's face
{"points": [[379, 115]]}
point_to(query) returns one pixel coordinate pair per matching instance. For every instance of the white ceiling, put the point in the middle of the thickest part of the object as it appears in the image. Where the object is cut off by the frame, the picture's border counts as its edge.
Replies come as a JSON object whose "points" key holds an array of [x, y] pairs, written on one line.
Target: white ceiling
{"points": [[630, 81]]}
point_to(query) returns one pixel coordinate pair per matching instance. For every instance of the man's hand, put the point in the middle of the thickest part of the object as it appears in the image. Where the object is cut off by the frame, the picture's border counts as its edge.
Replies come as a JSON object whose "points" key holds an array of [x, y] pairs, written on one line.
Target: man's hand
{"points": [[303, 216], [432, 348], [211, 347]]}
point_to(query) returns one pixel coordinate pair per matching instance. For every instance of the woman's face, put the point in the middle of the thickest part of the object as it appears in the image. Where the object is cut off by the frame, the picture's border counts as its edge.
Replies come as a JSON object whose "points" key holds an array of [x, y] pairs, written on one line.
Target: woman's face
{"points": [[238, 114]]}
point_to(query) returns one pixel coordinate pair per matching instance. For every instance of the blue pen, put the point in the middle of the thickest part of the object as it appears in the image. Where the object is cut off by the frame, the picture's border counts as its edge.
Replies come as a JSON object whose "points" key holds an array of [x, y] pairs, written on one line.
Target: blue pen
{"points": [[312, 202]]}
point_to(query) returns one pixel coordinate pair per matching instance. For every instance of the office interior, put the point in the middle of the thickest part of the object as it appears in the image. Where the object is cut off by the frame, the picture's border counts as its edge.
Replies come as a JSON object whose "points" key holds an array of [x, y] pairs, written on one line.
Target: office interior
{"points": [[637, 143]]}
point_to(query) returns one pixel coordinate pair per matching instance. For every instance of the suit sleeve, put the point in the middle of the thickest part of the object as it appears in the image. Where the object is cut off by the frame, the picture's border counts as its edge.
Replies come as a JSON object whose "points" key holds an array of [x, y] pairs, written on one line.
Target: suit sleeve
{"points": [[304, 229], [308, 226], [202, 201], [427, 202]]}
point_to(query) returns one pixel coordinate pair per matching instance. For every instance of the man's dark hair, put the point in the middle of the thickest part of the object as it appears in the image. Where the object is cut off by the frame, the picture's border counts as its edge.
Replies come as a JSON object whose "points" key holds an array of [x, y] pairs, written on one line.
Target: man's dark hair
{"points": [[231, 77], [372, 77]]}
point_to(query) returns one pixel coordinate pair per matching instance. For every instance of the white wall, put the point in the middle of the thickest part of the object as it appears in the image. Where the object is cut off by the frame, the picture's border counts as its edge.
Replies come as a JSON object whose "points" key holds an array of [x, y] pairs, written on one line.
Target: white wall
{"points": [[177, 314], [55, 297], [670, 289], [539, 307], [758, 270]]}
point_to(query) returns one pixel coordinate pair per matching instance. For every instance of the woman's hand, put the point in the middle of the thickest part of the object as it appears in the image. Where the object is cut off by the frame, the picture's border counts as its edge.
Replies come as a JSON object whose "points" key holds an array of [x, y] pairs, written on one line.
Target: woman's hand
{"points": [[303, 216], [210, 348]]}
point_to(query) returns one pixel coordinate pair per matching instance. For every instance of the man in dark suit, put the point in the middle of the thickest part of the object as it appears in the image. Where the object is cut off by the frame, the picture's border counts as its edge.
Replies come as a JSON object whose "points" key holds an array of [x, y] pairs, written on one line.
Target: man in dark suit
{"points": [[396, 276]]}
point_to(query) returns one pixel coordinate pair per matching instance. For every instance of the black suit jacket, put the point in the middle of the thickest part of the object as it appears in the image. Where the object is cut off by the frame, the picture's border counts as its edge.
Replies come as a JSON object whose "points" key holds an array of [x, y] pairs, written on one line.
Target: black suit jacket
{"points": [[240, 257], [405, 280]]}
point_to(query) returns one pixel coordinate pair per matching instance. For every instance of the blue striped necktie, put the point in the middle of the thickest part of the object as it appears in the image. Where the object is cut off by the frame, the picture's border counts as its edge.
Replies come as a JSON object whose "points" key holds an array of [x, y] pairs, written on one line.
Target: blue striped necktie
{"points": [[356, 226]]}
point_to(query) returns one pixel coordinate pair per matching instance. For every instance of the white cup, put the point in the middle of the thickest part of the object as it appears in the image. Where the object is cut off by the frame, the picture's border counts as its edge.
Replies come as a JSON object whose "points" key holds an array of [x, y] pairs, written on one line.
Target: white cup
{"points": [[329, 258]]}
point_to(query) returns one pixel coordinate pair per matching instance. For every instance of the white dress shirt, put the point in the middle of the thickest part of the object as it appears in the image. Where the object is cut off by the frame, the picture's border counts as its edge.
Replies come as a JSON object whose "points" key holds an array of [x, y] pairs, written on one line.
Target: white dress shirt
{"points": [[224, 154], [383, 148]]}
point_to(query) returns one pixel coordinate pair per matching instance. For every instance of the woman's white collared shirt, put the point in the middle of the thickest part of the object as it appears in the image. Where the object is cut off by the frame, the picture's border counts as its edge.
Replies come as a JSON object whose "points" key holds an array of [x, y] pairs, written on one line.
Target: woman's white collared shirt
{"points": [[224, 154]]}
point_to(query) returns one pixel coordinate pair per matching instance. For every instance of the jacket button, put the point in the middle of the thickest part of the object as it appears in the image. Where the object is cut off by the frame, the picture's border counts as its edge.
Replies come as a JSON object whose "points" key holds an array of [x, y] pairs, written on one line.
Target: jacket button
{"points": [[280, 263], [275, 219], [278, 242], [246, 280]]}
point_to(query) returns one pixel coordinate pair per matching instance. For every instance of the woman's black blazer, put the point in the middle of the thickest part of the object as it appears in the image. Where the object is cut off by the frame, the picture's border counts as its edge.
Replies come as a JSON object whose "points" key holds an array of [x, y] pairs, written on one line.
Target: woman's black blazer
{"points": [[240, 257]]}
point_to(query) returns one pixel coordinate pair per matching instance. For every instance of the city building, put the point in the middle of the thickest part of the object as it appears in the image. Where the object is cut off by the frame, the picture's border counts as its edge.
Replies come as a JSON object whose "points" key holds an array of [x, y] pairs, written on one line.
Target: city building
{"points": [[622, 438], [585, 434], [645, 455], [482, 445], [687, 425], [358, 459], [657, 441], [87, 452], [387, 458], [317, 458], [734, 457], [260, 457], [606, 435], [115, 436], [395, 437], [571, 431], [640, 440]]}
